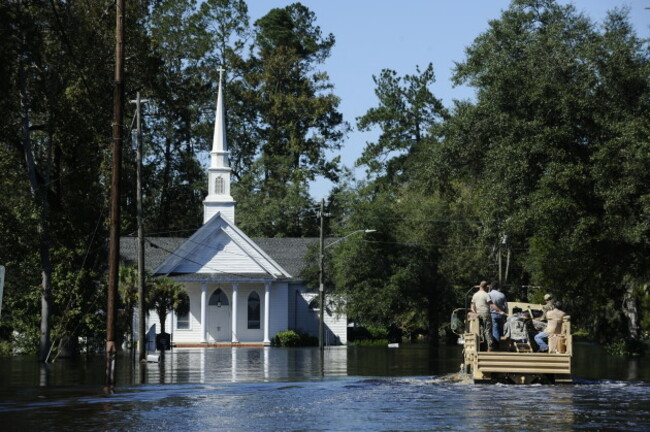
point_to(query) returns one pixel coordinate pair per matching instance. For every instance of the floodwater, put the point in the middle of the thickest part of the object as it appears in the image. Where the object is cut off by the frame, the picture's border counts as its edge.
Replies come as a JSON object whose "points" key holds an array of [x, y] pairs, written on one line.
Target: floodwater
{"points": [[411, 388]]}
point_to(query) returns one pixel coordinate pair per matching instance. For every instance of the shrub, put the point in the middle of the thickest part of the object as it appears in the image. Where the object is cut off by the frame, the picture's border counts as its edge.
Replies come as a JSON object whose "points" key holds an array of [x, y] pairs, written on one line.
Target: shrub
{"points": [[625, 347], [368, 336], [5, 349], [378, 333], [287, 338], [291, 338]]}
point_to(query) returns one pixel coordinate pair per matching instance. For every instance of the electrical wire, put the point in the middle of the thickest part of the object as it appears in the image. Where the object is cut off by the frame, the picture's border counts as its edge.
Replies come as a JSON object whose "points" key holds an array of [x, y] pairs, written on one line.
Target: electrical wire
{"points": [[198, 263]]}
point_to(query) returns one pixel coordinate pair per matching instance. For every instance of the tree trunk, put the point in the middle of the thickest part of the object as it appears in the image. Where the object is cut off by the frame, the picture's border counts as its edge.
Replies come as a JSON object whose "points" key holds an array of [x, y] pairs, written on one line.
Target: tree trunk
{"points": [[39, 193], [162, 317], [432, 312], [631, 312], [164, 216]]}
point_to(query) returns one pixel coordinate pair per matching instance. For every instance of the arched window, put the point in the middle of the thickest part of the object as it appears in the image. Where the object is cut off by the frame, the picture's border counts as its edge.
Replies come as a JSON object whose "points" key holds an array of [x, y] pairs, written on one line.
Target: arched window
{"points": [[183, 314], [218, 298], [253, 311], [219, 186]]}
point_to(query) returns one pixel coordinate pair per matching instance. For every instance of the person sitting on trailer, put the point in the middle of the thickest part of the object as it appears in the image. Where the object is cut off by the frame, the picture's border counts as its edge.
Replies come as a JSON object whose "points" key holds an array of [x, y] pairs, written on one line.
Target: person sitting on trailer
{"points": [[519, 328], [554, 326], [515, 327], [540, 322], [549, 305]]}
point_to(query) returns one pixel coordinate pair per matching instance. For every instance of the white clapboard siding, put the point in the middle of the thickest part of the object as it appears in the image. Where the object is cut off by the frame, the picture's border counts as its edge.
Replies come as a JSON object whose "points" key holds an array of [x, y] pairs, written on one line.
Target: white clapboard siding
{"points": [[281, 319], [278, 311], [244, 334], [308, 321], [230, 259], [218, 254], [279, 306], [219, 246], [306, 318], [338, 325], [253, 251], [193, 334]]}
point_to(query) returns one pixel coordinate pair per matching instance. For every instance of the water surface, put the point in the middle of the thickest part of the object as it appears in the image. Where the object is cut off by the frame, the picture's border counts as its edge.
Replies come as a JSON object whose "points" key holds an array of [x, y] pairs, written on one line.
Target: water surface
{"points": [[352, 389]]}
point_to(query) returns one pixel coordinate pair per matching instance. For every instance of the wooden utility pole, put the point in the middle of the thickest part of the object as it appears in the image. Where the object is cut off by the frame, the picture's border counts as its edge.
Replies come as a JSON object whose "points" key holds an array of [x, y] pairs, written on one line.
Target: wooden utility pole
{"points": [[114, 238]]}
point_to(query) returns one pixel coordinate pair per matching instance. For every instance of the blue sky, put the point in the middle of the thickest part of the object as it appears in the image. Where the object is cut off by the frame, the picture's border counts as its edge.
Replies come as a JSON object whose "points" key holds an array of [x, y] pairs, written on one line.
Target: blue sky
{"points": [[372, 35]]}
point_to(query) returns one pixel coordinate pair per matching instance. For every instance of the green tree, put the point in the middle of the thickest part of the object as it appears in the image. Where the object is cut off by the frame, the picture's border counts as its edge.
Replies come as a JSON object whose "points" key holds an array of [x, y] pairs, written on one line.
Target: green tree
{"points": [[186, 44], [164, 296], [52, 133], [396, 281], [296, 119], [553, 97], [406, 116], [128, 292]]}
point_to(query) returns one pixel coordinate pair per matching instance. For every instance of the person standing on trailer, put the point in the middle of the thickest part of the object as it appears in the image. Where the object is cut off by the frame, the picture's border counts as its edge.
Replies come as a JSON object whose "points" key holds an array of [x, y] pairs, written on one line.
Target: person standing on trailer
{"points": [[498, 311], [481, 306]]}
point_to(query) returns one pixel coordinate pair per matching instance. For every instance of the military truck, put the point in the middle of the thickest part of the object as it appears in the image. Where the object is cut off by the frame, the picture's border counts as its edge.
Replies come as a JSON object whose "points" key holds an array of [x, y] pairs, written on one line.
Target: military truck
{"points": [[515, 361]]}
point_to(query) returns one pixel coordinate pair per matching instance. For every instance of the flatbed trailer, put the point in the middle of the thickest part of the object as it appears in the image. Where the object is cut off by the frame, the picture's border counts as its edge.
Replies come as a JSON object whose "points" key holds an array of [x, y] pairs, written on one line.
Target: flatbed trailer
{"points": [[515, 361]]}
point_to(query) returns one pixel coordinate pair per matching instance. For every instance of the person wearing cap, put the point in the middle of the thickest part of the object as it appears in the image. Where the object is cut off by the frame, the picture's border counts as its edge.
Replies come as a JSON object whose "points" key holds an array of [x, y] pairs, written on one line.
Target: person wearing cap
{"points": [[550, 305], [554, 326], [481, 306]]}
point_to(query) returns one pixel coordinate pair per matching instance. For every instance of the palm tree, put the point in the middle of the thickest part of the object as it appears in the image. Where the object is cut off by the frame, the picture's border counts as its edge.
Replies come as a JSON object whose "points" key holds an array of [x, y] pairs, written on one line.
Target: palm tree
{"points": [[165, 296], [128, 290]]}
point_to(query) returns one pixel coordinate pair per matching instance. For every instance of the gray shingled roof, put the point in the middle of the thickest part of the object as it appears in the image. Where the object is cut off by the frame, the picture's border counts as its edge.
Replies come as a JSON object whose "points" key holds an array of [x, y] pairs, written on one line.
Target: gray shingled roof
{"points": [[289, 253], [153, 256]]}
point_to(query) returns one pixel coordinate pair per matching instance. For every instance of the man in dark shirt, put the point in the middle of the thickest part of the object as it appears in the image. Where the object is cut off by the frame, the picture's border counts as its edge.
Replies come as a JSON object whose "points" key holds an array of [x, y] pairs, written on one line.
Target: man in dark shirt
{"points": [[498, 311]]}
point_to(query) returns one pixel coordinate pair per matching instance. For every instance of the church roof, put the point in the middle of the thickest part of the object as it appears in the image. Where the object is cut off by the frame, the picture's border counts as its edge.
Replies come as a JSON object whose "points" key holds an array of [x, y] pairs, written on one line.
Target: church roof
{"points": [[290, 253]]}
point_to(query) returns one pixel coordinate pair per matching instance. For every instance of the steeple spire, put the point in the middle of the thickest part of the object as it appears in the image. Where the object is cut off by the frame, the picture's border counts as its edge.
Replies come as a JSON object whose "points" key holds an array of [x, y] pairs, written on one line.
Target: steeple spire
{"points": [[219, 138], [219, 199]]}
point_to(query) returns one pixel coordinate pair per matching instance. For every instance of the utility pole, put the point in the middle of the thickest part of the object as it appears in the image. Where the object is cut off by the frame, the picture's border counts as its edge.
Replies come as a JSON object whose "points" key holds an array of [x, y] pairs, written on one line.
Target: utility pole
{"points": [[321, 285], [141, 273], [114, 237], [505, 241], [2, 283]]}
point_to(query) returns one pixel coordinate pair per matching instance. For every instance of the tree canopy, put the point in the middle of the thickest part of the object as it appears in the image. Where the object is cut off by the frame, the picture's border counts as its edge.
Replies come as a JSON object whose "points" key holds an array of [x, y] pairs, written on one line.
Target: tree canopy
{"points": [[544, 171]]}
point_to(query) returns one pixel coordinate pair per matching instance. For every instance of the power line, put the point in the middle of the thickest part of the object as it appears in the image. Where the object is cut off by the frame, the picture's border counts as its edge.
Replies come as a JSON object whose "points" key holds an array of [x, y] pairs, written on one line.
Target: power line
{"points": [[196, 262]]}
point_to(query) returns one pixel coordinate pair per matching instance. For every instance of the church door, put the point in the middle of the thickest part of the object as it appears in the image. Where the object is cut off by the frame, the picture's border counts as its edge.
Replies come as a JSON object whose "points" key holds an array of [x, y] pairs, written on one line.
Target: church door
{"points": [[219, 317]]}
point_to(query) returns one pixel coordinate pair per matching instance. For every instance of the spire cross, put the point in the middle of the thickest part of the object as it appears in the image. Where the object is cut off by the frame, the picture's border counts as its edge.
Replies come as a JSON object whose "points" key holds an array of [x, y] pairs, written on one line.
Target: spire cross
{"points": [[221, 71]]}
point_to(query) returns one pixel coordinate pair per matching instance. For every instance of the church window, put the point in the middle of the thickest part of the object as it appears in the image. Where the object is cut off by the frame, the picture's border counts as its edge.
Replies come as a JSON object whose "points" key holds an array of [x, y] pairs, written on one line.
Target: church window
{"points": [[218, 298], [219, 186], [183, 321], [183, 313], [253, 311]]}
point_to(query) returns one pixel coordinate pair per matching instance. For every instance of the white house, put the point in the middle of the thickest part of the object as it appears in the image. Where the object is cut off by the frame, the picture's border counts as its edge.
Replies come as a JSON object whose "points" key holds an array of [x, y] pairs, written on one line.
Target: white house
{"points": [[242, 291]]}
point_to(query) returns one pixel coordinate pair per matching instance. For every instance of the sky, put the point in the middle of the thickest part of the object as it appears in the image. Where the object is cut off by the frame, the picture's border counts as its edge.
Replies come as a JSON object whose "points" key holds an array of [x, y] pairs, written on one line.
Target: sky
{"points": [[372, 35]]}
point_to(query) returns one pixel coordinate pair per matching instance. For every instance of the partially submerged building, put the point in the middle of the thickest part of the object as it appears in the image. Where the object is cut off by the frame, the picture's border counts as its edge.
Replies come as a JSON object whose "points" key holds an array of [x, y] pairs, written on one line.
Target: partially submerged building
{"points": [[241, 290]]}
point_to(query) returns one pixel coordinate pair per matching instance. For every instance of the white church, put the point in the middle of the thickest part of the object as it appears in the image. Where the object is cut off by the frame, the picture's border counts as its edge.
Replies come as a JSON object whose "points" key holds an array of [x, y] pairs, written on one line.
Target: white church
{"points": [[242, 291]]}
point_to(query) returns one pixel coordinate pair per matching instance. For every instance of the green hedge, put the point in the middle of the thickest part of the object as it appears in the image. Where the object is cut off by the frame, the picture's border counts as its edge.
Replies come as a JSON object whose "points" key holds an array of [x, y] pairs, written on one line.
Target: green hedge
{"points": [[291, 338]]}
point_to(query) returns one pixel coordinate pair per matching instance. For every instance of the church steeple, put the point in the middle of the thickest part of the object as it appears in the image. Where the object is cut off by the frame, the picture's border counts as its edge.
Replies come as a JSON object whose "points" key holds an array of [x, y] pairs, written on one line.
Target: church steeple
{"points": [[219, 199]]}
